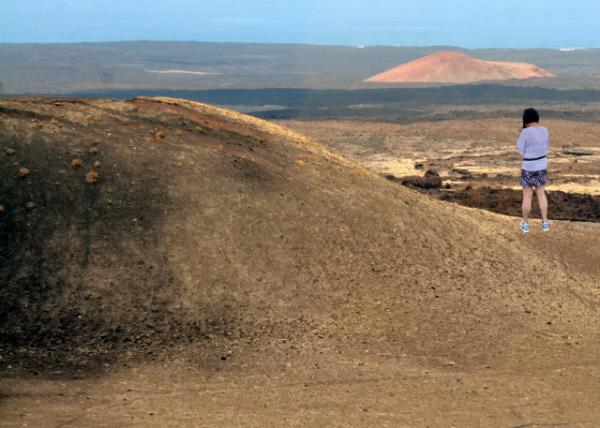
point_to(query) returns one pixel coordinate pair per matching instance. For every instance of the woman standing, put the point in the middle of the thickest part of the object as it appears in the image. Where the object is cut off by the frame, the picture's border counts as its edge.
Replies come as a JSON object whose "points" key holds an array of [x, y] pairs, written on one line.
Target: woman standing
{"points": [[533, 146]]}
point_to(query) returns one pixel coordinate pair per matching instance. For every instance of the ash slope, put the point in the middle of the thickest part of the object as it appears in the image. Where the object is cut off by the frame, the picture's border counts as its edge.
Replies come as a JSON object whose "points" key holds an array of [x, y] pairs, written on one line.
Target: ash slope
{"points": [[203, 224], [457, 67]]}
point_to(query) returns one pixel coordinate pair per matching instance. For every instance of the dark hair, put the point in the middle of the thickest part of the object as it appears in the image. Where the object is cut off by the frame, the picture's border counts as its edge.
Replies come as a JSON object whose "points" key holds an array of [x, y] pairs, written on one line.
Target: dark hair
{"points": [[530, 115]]}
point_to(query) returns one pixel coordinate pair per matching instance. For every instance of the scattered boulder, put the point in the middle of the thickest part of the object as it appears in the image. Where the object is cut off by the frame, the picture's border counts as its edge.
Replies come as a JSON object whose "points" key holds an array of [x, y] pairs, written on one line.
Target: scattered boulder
{"points": [[76, 163], [91, 177], [431, 173], [577, 152], [30, 205], [419, 166], [93, 150], [24, 172], [422, 182], [10, 151], [464, 173]]}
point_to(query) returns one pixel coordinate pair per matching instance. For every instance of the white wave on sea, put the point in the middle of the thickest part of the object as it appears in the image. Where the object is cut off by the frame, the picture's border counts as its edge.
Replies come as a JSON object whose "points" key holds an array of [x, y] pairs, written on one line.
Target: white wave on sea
{"points": [[196, 73]]}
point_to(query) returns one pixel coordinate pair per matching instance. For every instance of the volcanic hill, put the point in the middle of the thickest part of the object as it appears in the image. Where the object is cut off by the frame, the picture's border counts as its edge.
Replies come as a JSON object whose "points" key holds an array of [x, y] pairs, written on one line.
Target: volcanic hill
{"points": [[140, 218], [151, 224], [457, 67]]}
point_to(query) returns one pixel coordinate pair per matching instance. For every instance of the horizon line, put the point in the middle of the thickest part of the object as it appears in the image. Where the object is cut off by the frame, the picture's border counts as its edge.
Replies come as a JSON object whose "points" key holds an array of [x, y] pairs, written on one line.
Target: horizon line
{"points": [[357, 46]]}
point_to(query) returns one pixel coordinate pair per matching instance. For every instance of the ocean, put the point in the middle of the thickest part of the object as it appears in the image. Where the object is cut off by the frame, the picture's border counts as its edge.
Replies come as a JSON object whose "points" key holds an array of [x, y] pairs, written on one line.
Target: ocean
{"points": [[465, 23]]}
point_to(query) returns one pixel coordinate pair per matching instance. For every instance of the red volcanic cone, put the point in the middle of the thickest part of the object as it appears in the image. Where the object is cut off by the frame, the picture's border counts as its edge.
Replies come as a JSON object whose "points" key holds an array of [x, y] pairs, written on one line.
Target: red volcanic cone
{"points": [[457, 67]]}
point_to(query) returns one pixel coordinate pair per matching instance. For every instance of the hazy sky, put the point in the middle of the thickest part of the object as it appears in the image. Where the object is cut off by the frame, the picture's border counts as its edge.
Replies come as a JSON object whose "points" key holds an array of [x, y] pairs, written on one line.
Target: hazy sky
{"points": [[467, 23]]}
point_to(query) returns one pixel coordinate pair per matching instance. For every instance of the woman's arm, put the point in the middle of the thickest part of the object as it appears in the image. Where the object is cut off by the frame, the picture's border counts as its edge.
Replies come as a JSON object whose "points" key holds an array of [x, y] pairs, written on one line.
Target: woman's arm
{"points": [[521, 143]]}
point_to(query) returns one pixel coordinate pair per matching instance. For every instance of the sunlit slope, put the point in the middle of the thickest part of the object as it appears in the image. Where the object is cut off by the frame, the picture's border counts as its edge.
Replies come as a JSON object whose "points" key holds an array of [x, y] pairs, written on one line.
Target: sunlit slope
{"points": [[162, 220]]}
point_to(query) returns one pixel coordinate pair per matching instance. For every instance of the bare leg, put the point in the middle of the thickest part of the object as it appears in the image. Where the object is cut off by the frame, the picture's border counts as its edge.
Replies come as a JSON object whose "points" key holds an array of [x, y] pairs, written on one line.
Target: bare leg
{"points": [[543, 201], [527, 197]]}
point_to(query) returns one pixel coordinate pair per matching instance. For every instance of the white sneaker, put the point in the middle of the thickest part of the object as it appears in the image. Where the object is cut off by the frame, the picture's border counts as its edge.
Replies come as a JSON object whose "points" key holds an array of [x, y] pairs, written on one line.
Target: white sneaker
{"points": [[545, 226], [524, 227]]}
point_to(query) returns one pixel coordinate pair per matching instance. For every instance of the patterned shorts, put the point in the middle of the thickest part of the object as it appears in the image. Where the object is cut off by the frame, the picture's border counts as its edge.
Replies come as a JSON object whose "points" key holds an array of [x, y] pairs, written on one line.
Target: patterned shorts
{"points": [[534, 178]]}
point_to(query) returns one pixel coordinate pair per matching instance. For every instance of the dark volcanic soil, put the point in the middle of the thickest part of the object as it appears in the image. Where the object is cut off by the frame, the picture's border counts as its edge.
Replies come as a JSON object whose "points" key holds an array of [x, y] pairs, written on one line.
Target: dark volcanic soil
{"points": [[562, 205]]}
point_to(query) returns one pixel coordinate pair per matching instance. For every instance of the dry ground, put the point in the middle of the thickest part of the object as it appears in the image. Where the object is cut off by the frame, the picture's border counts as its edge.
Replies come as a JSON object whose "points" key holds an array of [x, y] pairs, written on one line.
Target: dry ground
{"points": [[478, 155], [223, 271], [477, 146], [371, 386]]}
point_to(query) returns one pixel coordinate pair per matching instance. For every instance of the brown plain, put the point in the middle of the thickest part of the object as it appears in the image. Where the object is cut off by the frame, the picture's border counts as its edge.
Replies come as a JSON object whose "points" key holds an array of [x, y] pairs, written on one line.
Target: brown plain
{"points": [[484, 146]]}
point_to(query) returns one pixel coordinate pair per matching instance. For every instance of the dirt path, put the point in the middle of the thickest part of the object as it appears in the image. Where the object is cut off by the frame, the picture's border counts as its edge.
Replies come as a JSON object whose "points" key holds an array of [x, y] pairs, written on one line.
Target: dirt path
{"points": [[316, 390]]}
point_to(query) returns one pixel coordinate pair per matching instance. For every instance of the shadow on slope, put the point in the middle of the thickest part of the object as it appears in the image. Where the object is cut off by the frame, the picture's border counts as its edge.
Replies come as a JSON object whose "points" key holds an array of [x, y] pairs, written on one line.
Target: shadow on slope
{"points": [[207, 226]]}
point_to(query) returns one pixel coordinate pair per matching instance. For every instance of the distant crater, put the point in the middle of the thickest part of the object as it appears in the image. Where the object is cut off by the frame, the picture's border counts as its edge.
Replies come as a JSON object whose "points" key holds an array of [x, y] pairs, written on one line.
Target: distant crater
{"points": [[457, 67]]}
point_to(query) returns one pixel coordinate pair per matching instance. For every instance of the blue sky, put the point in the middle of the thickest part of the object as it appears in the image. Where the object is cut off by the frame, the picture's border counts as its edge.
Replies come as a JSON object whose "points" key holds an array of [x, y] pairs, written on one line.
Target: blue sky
{"points": [[466, 23]]}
